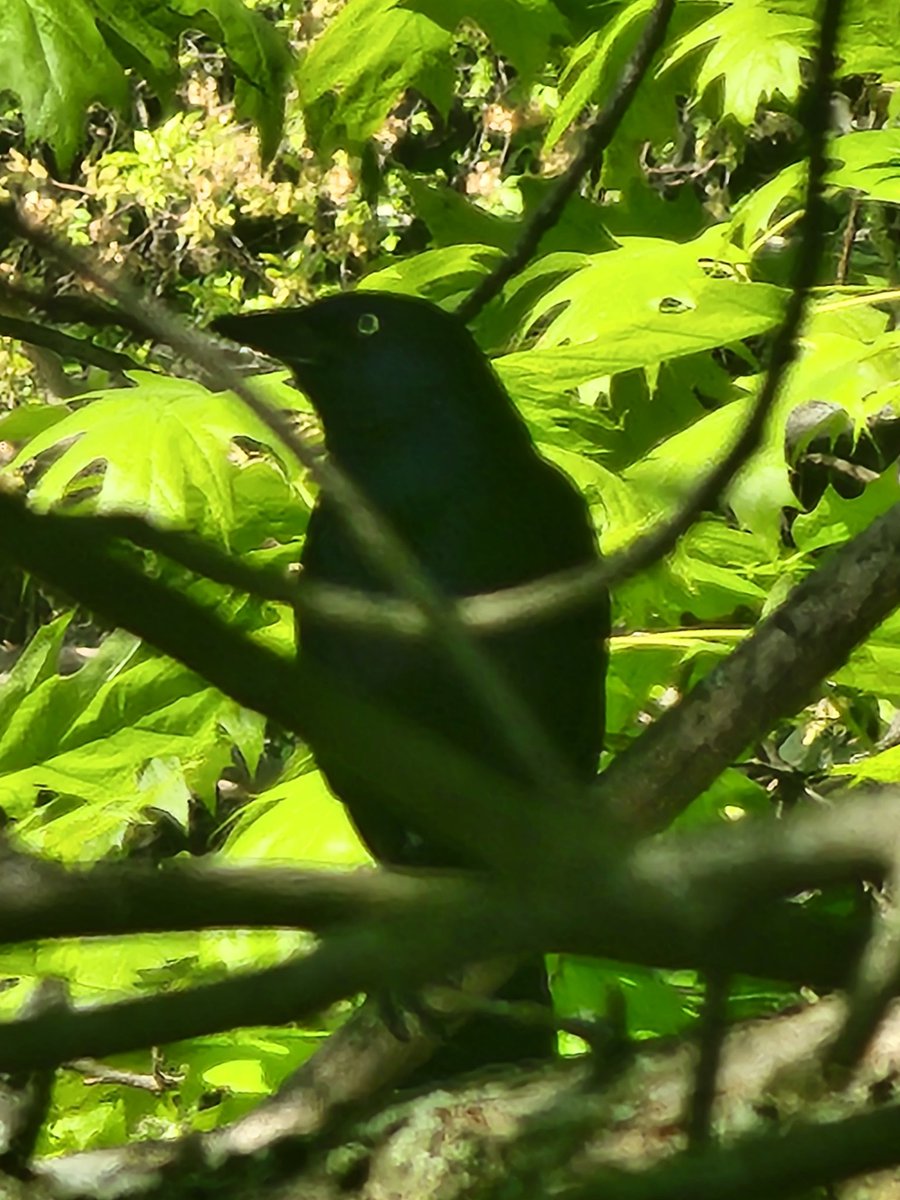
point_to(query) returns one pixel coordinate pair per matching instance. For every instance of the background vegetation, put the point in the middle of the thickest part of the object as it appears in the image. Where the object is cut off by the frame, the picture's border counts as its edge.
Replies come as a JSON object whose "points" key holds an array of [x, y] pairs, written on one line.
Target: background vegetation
{"points": [[229, 155]]}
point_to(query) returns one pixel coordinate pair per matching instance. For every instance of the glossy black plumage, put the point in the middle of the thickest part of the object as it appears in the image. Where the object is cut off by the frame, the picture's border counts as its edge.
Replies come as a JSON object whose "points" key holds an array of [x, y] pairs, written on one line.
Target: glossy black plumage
{"points": [[413, 412]]}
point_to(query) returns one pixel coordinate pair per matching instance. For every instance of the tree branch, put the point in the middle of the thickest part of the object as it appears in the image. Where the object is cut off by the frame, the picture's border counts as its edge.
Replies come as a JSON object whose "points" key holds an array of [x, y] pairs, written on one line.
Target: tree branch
{"points": [[65, 345], [704, 901], [769, 676]]}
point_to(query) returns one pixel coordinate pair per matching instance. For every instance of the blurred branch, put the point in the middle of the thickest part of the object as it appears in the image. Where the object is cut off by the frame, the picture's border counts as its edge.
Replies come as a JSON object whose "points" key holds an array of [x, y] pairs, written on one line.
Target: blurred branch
{"points": [[774, 1165], [705, 901], [70, 307], [66, 346], [712, 1034], [25, 1098], [743, 865], [490, 819], [874, 985]]}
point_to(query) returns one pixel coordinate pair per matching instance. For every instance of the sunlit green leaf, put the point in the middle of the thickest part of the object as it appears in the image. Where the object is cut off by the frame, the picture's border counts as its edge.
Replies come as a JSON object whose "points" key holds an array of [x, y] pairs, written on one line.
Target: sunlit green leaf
{"points": [[753, 49], [163, 449], [362, 62]]}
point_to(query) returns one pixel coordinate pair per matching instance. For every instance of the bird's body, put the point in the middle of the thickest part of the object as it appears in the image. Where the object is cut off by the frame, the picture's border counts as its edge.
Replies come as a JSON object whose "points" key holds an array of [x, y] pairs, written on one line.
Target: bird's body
{"points": [[412, 411], [479, 522]]}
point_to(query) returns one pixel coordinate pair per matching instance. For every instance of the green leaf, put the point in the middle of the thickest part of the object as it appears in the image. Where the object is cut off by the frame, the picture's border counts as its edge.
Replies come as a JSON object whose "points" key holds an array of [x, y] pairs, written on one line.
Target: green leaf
{"points": [[755, 213], [50, 704], [725, 568], [162, 449], [653, 1007], [883, 767], [866, 161], [297, 820], [520, 30], [258, 56], [125, 733], [85, 1127], [673, 305], [452, 219], [251, 1061], [731, 798], [624, 512], [30, 419], [670, 472], [644, 664], [875, 665], [868, 44], [869, 162], [35, 664], [835, 520], [842, 367], [443, 276], [57, 57], [247, 730], [366, 58], [754, 51], [56, 64], [831, 367], [140, 36], [589, 66]]}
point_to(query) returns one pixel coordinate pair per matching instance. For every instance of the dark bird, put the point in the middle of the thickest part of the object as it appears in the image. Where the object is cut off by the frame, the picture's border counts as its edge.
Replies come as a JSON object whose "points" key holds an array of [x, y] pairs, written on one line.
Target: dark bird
{"points": [[413, 412]]}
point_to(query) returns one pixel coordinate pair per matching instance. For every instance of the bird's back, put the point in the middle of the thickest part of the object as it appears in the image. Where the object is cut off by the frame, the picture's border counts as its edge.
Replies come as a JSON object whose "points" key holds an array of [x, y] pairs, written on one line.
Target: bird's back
{"points": [[507, 520]]}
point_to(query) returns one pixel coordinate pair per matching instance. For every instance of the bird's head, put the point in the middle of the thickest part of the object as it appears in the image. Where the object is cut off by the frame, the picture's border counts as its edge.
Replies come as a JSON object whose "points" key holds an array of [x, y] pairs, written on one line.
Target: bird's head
{"points": [[376, 360]]}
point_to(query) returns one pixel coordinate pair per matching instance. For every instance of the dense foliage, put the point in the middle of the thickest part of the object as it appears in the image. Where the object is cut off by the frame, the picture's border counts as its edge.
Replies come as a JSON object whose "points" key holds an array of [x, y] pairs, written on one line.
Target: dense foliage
{"points": [[229, 154]]}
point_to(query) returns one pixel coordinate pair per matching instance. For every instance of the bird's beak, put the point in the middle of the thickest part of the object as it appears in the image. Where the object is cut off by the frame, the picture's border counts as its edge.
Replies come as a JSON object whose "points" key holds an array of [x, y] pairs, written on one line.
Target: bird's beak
{"points": [[286, 334]]}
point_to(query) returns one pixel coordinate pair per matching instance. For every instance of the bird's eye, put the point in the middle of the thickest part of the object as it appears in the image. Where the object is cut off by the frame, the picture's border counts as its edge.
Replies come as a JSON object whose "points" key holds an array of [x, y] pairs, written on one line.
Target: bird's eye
{"points": [[368, 324]]}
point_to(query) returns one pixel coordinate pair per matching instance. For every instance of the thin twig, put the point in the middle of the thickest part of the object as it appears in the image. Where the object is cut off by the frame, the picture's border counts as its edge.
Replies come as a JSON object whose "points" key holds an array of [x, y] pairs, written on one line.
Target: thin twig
{"points": [[713, 1029], [874, 987], [847, 240], [94, 1072]]}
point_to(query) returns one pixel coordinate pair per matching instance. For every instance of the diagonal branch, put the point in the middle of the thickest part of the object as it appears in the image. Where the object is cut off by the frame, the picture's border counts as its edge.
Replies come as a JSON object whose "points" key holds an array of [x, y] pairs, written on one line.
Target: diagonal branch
{"points": [[769, 676]]}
